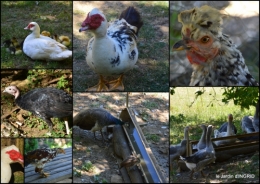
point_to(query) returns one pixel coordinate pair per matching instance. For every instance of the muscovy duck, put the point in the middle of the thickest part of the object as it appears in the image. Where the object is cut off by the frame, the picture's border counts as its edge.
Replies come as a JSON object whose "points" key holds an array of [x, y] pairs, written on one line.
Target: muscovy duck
{"points": [[95, 119], [213, 56], [113, 49], [9, 154], [45, 103], [197, 161], [40, 157], [39, 47]]}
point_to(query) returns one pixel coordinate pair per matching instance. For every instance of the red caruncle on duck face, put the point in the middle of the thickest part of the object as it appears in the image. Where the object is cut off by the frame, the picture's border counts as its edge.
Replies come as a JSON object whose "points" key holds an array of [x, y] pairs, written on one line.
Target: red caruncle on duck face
{"points": [[93, 21]]}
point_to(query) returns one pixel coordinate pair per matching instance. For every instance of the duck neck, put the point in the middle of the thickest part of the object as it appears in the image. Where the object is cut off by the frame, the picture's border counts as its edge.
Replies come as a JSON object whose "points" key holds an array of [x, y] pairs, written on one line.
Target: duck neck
{"points": [[208, 139], [257, 110], [36, 31], [203, 136], [186, 133], [230, 119]]}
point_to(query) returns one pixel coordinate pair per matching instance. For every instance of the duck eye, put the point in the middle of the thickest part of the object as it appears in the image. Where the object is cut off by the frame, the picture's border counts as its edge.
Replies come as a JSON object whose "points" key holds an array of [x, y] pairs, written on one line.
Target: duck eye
{"points": [[205, 39]]}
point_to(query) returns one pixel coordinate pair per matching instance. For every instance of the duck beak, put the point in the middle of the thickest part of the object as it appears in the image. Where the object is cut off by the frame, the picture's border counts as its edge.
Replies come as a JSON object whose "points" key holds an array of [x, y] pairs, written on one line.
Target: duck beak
{"points": [[83, 28], [180, 45]]}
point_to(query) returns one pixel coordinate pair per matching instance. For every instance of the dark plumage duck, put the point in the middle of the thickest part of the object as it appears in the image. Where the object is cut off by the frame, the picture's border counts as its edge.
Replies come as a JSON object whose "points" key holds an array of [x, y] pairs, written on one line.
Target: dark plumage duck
{"points": [[46, 103], [201, 158], [223, 127], [250, 124], [225, 131], [180, 149], [202, 142], [95, 119]]}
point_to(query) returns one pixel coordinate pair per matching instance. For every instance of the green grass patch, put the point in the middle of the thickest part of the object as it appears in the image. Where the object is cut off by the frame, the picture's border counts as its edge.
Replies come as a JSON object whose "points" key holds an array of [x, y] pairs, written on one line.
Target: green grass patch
{"points": [[152, 137], [88, 166]]}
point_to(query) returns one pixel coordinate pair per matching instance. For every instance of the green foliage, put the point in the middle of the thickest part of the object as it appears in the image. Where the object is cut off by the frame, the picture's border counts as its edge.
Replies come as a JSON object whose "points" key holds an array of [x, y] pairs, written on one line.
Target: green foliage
{"points": [[88, 166], [62, 83], [242, 96], [97, 179], [172, 91], [30, 145], [76, 173]]}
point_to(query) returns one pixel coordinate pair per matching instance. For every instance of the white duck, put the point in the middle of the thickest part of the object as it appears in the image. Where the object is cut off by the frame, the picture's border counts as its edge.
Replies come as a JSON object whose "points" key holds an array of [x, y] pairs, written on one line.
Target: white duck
{"points": [[197, 161], [113, 49], [9, 155], [39, 47]]}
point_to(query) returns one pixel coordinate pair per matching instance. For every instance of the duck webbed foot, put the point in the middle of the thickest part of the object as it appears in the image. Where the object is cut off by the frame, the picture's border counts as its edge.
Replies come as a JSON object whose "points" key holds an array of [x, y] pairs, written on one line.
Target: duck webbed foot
{"points": [[117, 84], [101, 86]]}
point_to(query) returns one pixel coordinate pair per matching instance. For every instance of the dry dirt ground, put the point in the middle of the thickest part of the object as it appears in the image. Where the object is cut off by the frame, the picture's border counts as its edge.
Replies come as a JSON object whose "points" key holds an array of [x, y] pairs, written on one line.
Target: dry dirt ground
{"points": [[152, 109], [223, 172]]}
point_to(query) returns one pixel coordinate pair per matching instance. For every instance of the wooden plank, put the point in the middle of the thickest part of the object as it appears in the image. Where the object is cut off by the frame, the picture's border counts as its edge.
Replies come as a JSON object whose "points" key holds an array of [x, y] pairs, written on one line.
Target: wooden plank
{"points": [[59, 168]]}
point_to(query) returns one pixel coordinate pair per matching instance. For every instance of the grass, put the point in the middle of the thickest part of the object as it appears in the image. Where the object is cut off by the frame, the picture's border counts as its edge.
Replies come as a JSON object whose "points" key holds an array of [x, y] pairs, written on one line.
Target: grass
{"points": [[53, 16], [207, 109], [88, 166], [152, 137], [152, 72]]}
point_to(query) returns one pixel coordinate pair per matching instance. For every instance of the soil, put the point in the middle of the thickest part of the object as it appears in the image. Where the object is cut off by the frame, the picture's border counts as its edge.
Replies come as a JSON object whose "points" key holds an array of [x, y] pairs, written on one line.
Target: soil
{"points": [[152, 110], [222, 172]]}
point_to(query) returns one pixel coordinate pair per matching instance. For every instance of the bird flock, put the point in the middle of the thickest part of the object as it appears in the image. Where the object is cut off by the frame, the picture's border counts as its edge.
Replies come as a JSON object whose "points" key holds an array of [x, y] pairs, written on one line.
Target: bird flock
{"points": [[205, 147]]}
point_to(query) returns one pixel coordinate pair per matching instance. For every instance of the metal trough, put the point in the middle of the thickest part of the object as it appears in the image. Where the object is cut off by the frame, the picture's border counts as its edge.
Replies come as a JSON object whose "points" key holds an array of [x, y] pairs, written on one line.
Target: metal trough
{"points": [[148, 166], [225, 152]]}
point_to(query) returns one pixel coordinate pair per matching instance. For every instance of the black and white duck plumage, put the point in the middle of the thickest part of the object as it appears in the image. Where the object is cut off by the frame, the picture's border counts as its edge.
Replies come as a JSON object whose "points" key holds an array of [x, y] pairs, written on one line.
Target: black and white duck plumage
{"points": [[113, 49], [46, 103]]}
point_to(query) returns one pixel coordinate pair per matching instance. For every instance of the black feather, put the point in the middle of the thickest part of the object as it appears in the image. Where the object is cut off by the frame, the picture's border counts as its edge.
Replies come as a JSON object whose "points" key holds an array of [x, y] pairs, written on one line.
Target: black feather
{"points": [[132, 16]]}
